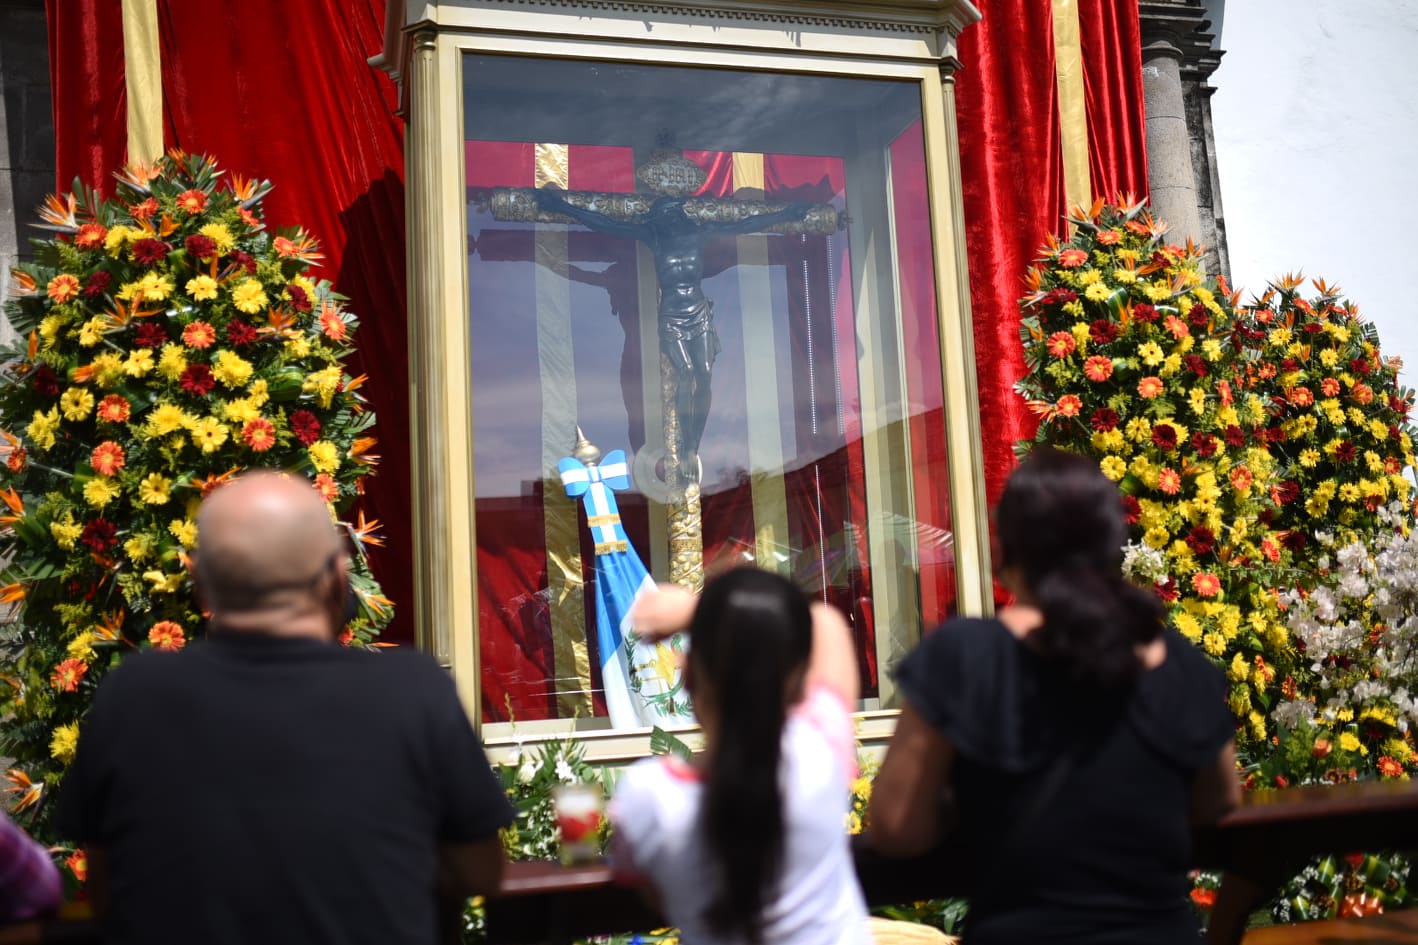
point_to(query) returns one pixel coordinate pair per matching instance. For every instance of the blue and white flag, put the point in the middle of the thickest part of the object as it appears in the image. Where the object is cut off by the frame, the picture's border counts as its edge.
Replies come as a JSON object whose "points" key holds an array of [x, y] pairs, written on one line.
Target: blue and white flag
{"points": [[642, 681]]}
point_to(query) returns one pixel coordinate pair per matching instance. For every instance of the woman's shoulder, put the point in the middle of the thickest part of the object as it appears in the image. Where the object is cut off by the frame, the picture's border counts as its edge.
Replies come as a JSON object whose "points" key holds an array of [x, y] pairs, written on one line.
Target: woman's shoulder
{"points": [[1181, 706]]}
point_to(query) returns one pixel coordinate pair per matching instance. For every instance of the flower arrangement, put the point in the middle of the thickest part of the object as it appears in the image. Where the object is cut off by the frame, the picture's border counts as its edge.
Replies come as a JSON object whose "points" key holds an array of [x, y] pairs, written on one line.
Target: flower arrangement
{"points": [[1339, 426], [168, 342], [1130, 359]]}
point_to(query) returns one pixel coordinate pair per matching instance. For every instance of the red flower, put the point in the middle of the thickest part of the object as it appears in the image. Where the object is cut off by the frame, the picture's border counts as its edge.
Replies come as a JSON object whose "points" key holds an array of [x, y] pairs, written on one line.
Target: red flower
{"points": [[244, 260], [149, 252], [1061, 344], [1203, 897], [1390, 768], [1167, 591], [46, 382], [1132, 509], [305, 426], [1361, 366], [145, 209], [1196, 364], [1098, 368], [68, 674], [78, 864], [90, 236], [1294, 540], [113, 409], [200, 247], [197, 380], [1164, 436], [1060, 297], [199, 334], [239, 333], [1234, 436], [1322, 748], [1103, 331], [1204, 444], [1197, 316], [107, 458], [1288, 688], [167, 635], [1144, 313], [100, 535], [1282, 781], [97, 284], [1345, 452], [1283, 493], [1104, 419], [17, 460], [192, 201], [1072, 258], [149, 335], [1201, 540], [259, 434], [299, 299]]}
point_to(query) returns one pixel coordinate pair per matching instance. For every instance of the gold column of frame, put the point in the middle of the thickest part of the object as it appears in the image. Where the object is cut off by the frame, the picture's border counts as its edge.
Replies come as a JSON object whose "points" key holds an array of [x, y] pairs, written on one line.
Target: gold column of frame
{"points": [[957, 346], [881, 381], [1073, 107], [142, 80], [557, 366], [765, 439]]}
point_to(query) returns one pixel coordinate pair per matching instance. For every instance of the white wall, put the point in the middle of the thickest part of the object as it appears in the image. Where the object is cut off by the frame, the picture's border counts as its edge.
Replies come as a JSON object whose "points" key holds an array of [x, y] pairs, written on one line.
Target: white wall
{"points": [[1316, 121]]}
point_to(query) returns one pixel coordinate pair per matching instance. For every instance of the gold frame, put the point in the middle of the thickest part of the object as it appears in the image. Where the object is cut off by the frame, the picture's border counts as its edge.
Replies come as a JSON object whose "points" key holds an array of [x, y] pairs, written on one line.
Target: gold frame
{"points": [[425, 43]]}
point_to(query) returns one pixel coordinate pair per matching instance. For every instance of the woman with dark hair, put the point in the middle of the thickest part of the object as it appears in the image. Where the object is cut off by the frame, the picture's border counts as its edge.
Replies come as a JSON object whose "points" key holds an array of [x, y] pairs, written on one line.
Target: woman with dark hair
{"points": [[747, 844], [1072, 738]]}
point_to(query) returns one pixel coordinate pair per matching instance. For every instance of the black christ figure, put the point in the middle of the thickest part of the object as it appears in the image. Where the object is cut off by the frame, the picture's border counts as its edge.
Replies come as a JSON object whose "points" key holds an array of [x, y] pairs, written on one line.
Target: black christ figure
{"points": [[686, 314]]}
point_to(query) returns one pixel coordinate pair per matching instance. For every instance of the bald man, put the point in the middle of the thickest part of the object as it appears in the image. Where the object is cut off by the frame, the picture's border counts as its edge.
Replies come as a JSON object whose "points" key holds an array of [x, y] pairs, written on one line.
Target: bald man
{"points": [[265, 784]]}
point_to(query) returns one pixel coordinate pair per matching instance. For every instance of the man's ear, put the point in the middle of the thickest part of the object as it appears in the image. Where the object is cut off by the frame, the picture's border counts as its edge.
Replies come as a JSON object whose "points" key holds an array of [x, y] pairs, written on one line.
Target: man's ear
{"points": [[189, 562]]}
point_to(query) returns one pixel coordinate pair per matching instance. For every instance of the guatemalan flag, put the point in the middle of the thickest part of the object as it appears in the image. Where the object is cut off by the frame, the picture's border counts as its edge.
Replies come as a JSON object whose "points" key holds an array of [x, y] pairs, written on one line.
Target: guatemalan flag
{"points": [[642, 680]]}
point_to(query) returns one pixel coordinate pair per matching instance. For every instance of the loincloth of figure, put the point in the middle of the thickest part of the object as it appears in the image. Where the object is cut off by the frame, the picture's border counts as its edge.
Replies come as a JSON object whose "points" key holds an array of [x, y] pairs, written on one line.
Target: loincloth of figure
{"points": [[689, 340]]}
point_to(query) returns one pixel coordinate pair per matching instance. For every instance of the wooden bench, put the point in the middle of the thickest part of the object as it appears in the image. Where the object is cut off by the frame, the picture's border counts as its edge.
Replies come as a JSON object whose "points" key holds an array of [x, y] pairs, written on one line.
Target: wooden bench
{"points": [[1259, 845]]}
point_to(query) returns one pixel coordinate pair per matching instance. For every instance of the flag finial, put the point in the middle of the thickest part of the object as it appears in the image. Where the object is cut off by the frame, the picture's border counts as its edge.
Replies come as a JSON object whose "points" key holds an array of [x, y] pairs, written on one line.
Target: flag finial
{"points": [[585, 451]]}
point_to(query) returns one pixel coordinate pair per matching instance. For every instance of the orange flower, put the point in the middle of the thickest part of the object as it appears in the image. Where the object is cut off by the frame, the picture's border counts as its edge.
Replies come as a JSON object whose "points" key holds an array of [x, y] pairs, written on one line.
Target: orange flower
{"points": [[145, 209], [114, 409], [1098, 368], [249, 218], [108, 458], [331, 324], [91, 236], [192, 201], [1176, 326], [1330, 387], [1362, 394], [78, 864], [199, 334], [68, 674], [1300, 396], [1223, 389], [1242, 478], [63, 287], [1390, 768], [1150, 387], [1322, 748], [1206, 584], [1169, 481], [327, 487], [283, 247], [1061, 344], [1072, 258], [167, 635], [1270, 549], [1068, 406], [259, 434], [1108, 237]]}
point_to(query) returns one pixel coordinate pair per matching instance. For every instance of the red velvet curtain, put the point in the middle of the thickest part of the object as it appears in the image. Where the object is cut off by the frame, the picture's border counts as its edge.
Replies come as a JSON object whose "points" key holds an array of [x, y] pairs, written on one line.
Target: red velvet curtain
{"points": [[276, 90], [1111, 36]]}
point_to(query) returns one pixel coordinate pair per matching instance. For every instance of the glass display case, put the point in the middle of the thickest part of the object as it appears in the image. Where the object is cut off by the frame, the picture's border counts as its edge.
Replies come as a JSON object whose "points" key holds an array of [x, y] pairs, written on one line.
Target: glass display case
{"points": [[687, 293]]}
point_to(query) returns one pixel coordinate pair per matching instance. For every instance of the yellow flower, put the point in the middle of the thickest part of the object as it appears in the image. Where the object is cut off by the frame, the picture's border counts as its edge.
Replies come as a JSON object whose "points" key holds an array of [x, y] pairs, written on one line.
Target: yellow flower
{"points": [[202, 288], [41, 429], [248, 296], [1188, 626], [172, 362], [139, 363], [91, 332], [1213, 643], [257, 392], [1196, 400], [100, 491], [81, 647], [49, 328], [166, 418], [298, 347], [1156, 291], [119, 237], [184, 530], [1378, 429], [1329, 357], [1124, 276], [151, 288], [1348, 741], [1257, 724], [65, 742], [325, 383], [208, 433], [1211, 349], [1139, 429], [1156, 537], [1114, 467], [76, 403], [1151, 353], [1097, 292], [1240, 700], [162, 582], [1081, 335], [1279, 337], [139, 548], [108, 368], [220, 235], [231, 369], [1239, 669], [1090, 277], [155, 489], [324, 456], [240, 411], [66, 532]]}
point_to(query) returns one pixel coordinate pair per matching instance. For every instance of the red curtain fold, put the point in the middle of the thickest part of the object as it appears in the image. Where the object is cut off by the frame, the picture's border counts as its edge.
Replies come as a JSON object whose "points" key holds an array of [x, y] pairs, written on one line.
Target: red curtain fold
{"points": [[1111, 36], [89, 99]]}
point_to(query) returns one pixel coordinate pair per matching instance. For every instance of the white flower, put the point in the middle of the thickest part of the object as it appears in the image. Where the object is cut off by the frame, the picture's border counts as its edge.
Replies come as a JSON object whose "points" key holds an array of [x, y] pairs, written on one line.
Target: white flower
{"points": [[564, 772], [529, 770]]}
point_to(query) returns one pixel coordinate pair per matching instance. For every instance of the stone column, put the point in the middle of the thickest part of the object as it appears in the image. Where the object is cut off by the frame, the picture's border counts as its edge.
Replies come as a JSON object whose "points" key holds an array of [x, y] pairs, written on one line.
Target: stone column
{"points": [[1169, 163]]}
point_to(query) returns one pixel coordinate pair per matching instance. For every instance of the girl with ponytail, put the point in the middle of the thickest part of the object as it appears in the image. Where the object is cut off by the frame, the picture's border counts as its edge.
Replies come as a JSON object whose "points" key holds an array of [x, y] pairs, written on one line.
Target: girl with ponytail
{"points": [[1072, 737], [746, 844]]}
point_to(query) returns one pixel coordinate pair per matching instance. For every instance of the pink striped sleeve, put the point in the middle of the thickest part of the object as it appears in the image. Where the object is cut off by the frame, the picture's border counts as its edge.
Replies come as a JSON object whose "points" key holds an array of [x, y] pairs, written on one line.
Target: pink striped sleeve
{"points": [[827, 712]]}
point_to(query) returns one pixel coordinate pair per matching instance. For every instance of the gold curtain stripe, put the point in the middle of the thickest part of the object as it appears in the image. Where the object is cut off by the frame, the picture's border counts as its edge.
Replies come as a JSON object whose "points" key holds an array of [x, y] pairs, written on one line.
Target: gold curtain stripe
{"points": [[1073, 105], [765, 445], [571, 660], [142, 78]]}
